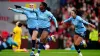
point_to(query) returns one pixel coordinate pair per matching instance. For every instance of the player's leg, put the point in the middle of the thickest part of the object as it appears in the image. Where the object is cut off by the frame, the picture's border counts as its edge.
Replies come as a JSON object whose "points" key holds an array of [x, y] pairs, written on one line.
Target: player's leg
{"points": [[51, 38], [83, 43], [44, 36], [33, 33], [43, 39], [48, 38], [34, 37], [18, 49], [15, 47], [75, 38], [77, 44]]}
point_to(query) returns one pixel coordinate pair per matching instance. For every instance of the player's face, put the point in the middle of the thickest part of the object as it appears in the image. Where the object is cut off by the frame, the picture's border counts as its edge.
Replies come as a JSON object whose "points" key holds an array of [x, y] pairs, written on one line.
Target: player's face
{"points": [[31, 6], [73, 14], [41, 6]]}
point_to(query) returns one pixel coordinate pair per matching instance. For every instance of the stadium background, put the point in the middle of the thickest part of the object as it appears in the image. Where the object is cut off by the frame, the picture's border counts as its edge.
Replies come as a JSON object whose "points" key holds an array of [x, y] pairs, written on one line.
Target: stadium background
{"points": [[88, 9]]}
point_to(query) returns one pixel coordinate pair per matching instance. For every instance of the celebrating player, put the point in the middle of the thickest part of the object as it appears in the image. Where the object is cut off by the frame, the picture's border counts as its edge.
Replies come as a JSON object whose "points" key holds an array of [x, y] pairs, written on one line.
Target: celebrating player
{"points": [[44, 17], [31, 23], [80, 29]]}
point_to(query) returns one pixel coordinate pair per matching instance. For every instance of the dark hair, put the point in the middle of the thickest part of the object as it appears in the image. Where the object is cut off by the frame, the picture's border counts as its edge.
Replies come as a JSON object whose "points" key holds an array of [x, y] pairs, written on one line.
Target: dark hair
{"points": [[11, 35], [20, 24], [44, 4], [74, 11], [48, 8]]}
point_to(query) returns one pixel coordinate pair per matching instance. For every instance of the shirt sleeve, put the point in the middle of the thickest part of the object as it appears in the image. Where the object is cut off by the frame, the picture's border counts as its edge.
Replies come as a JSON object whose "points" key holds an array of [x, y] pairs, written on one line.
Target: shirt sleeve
{"points": [[18, 11], [14, 31], [83, 21], [28, 9], [54, 19], [67, 20]]}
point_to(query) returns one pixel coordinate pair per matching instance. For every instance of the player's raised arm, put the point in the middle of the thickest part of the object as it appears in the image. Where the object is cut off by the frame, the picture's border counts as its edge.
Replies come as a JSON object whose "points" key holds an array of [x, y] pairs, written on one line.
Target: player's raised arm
{"points": [[67, 20], [85, 22], [82, 20], [25, 8], [15, 10], [28, 9], [55, 21]]}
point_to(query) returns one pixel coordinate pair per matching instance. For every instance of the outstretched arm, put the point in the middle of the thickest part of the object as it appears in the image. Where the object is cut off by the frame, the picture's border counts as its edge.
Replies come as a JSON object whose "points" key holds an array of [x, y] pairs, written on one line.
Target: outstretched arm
{"points": [[54, 19], [15, 10], [28, 9], [85, 22], [67, 20], [25, 8]]}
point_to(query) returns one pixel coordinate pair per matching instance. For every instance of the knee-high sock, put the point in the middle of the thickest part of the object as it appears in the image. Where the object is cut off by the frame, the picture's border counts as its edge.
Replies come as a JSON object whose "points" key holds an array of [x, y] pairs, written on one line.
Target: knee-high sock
{"points": [[41, 46], [49, 39], [33, 45], [77, 48]]}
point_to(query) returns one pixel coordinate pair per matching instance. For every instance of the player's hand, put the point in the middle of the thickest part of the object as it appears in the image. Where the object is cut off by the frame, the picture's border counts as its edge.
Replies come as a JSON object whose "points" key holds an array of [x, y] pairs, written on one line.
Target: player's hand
{"points": [[17, 6], [62, 22], [92, 25], [9, 8], [56, 29]]}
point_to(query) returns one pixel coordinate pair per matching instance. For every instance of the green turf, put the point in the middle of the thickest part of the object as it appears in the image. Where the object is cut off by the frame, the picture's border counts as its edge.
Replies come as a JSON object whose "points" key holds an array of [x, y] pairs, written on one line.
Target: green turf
{"points": [[52, 53]]}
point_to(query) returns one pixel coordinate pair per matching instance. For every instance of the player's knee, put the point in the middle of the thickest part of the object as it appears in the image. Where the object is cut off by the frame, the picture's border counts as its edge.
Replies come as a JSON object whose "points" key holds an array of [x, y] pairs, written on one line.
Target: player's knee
{"points": [[76, 43], [34, 38], [43, 36], [41, 39]]}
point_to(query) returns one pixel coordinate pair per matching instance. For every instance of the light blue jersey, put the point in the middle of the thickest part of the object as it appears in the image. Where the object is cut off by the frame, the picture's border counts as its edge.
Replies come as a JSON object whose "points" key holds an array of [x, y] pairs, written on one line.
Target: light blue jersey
{"points": [[43, 17], [31, 17], [78, 22]]}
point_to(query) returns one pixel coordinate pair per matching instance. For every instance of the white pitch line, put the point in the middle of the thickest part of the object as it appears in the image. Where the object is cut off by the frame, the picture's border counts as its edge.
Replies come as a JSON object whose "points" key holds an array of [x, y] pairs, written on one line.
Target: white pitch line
{"points": [[63, 52]]}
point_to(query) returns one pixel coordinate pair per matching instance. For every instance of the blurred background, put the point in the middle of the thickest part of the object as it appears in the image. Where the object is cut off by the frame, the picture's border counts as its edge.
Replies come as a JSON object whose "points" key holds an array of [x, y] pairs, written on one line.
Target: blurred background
{"points": [[89, 10]]}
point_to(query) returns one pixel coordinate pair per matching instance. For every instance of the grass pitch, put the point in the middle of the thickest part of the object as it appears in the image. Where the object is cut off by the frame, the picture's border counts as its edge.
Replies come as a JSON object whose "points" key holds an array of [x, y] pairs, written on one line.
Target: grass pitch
{"points": [[54, 52]]}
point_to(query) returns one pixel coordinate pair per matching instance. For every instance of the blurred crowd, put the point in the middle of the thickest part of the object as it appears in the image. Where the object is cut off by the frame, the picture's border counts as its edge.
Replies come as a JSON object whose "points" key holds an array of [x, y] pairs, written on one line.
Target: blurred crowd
{"points": [[89, 10]]}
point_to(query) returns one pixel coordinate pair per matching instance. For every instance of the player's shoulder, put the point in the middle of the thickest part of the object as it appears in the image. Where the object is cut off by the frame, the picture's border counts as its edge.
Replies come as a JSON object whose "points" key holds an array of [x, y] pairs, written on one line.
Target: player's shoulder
{"points": [[78, 16], [37, 10], [70, 17], [48, 12], [15, 28]]}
